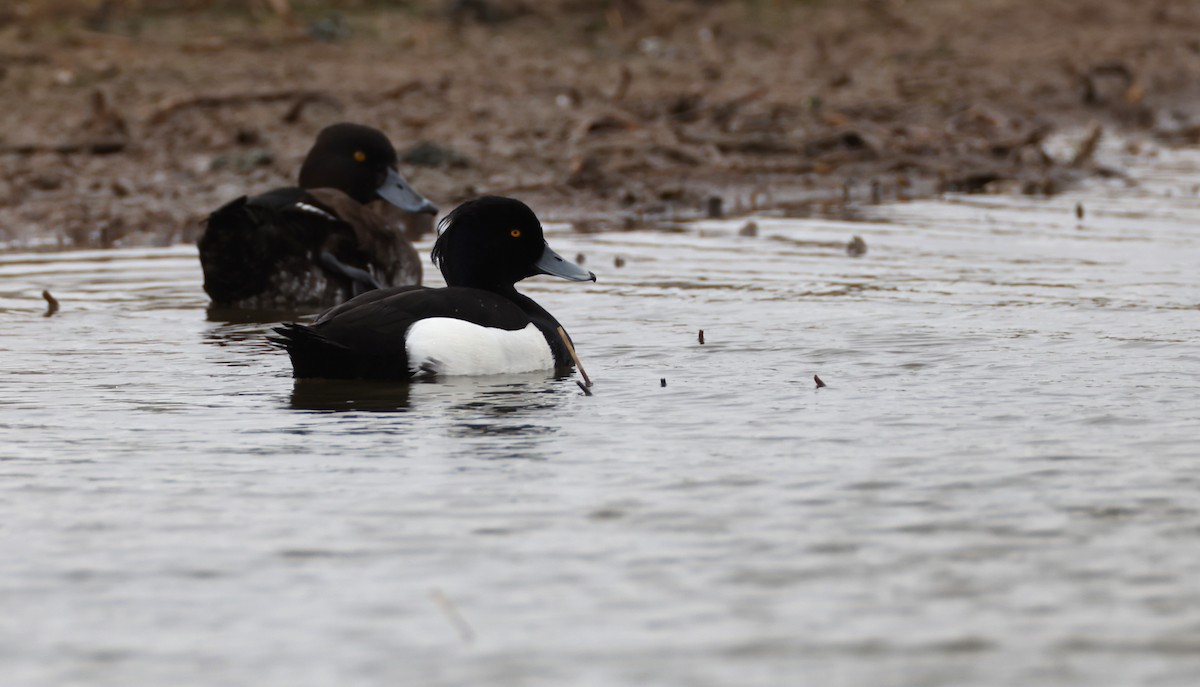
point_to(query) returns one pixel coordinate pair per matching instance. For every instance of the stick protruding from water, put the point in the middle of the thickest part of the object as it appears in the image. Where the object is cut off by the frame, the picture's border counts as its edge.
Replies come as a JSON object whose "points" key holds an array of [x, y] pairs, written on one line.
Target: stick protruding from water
{"points": [[562, 333], [51, 303]]}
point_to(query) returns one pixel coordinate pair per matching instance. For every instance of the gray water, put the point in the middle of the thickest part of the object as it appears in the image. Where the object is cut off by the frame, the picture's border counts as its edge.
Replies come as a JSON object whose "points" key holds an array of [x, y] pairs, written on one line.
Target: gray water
{"points": [[999, 485]]}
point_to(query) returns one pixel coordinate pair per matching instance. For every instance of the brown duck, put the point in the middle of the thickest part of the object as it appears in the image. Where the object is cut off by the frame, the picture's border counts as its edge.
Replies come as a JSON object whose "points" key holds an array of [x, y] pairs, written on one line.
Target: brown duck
{"points": [[318, 244]]}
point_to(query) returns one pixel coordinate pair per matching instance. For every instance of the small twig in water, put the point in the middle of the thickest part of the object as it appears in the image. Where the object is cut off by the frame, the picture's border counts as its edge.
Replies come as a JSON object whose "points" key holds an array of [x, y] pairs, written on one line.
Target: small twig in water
{"points": [[51, 303], [562, 333], [451, 612], [586, 391], [701, 337], [1079, 211], [818, 381]]}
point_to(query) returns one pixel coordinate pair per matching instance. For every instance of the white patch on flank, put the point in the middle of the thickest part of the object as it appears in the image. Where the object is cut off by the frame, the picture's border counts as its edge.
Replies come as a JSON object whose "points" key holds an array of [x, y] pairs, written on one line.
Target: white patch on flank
{"points": [[314, 210], [446, 346]]}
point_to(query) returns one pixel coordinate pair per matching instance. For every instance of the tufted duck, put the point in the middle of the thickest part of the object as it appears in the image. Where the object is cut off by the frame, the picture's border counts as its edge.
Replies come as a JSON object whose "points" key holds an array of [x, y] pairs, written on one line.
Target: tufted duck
{"points": [[478, 324], [318, 244]]}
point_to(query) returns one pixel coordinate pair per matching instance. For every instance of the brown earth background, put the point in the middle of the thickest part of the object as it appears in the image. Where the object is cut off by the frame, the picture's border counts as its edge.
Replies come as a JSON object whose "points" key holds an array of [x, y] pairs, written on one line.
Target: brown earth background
{"points": [[127, 121]]}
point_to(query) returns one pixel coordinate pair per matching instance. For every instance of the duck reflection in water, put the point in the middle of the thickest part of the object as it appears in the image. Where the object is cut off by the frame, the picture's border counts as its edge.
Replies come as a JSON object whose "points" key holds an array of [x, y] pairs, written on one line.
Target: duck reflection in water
{"points": [[334, 395], [506, 418], [486, 409]]}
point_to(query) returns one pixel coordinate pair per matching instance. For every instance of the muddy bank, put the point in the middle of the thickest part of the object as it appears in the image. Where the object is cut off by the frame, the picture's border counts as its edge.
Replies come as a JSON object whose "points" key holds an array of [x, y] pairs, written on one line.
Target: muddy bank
{"points": [[128, 127]]}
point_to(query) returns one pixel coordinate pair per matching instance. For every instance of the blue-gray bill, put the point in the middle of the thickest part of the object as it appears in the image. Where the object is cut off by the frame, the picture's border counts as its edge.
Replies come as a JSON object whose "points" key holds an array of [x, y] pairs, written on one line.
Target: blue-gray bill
{"points": [[557, 265], [397, 191]]}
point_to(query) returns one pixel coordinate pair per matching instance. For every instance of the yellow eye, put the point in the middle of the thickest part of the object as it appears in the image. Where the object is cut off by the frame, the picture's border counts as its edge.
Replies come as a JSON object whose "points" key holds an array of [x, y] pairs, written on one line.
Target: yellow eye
{"points": [[360, 156], [515, 233]]}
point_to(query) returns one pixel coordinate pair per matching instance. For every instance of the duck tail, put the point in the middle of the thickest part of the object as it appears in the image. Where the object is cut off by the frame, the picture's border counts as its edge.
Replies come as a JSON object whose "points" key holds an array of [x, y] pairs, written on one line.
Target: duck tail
{"points": [[312, 354]]}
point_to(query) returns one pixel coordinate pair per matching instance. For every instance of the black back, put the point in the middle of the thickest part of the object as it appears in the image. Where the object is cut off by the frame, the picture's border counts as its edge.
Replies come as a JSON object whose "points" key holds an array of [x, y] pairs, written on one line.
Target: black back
{"points": [[364, 337]]}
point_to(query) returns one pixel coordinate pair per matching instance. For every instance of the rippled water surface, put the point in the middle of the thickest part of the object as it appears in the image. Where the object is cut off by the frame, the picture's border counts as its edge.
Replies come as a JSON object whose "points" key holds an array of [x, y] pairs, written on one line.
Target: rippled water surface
{"points": [[999, 486]]}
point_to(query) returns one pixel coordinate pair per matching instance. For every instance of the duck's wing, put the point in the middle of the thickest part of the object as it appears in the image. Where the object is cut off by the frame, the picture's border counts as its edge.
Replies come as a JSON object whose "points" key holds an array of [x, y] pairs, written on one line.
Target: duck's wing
{"points": [[371, 242], [363, 300], [262, 248], [365, 337], [290, 248], [377, 321]]}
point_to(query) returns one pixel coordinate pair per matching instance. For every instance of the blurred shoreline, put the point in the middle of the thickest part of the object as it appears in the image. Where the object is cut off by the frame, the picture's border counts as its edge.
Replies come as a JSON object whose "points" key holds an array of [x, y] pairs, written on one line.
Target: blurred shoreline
{"points": [[127, 121]]}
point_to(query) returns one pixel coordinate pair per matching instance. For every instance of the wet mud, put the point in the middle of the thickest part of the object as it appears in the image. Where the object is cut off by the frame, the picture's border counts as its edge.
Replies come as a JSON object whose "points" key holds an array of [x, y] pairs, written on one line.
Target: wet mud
{"points": [[125, 124]]}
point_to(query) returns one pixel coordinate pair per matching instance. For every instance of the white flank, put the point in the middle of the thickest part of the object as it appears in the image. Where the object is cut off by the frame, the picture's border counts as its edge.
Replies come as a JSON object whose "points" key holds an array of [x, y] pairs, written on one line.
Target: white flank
{"points": [[446, 346], [314, 210]]}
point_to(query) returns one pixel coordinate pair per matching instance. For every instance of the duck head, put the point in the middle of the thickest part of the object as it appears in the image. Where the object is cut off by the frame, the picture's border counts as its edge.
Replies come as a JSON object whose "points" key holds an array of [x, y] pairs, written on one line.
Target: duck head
{"points": [[361, 162], [494, 242]]}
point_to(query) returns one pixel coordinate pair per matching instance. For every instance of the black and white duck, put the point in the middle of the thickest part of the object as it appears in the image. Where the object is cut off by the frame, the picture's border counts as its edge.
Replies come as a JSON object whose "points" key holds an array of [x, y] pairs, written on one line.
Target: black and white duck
{"points": [[478, 324]]}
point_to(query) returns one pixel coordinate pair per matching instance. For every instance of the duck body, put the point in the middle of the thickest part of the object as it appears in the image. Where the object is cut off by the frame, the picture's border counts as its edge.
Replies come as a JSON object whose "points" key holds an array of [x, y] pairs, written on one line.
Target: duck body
{"points": [[319, 243], [478, 325], [408, 332], [293, 248]]}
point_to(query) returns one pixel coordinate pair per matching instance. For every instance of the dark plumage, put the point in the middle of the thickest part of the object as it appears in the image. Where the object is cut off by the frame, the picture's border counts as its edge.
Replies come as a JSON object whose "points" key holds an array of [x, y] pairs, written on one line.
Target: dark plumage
{"points": [[486, 246], [317, 244]]}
